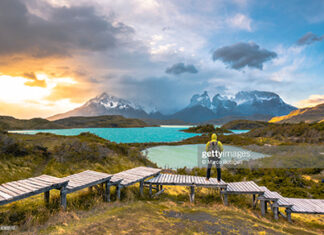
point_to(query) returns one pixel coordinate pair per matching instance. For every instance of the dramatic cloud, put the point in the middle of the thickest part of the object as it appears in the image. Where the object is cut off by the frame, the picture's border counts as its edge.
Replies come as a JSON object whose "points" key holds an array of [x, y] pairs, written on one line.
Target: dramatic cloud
{"points": [[243, 54], [309, 38], [63, 30], [56, 54], [180, 68], [312, 100]]}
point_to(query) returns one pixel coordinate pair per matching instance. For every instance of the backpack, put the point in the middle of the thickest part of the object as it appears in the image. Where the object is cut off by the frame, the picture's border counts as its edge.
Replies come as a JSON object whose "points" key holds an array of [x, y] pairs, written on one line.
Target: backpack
{"points": [[213, 146]]}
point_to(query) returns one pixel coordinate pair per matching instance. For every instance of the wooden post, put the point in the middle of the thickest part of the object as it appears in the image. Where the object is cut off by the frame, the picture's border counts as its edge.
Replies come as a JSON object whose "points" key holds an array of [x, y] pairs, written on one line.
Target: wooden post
{"points": [[192, 194], [265, 206], [150, 190], [158, 193], [90, 189], [47, 197], [161, 187], [275, 209], [63, 197], [118, 191], [288, 212], [225, 199], [262, 204], [107, 192], [253, 201], [141, 187]]}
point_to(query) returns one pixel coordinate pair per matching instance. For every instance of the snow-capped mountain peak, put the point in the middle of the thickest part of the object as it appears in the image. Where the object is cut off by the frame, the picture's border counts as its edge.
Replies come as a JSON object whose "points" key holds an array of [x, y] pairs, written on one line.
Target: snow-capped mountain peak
{"points": [[220, 103], [111, 102], [202, 100], [200, 109], [256, 96], [244, 103]]}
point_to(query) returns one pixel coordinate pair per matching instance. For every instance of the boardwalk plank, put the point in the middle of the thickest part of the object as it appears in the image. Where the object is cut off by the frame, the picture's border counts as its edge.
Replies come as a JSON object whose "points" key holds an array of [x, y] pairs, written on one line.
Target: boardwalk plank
{"points": [[38, 182], [21, 185], [5, 196], [10, 192], [185, 180], [17, 190], [14, 191], [85, 179]]}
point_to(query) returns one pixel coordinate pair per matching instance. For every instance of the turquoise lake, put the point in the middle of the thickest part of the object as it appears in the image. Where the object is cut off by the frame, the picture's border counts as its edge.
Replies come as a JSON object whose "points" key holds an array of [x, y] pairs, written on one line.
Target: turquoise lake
{"points": [[190, 155], [129, 135], [126, 135]]}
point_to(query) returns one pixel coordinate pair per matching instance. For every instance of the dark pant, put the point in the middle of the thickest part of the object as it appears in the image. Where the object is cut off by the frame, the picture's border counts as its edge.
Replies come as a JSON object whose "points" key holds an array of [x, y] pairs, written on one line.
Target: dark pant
{"points": [[218, 167]]}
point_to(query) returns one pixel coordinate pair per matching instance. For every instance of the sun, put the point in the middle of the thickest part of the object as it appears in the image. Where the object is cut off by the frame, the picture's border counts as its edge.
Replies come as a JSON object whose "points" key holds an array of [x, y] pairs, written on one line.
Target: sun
{"points": [[18, 93], [15, 89]]}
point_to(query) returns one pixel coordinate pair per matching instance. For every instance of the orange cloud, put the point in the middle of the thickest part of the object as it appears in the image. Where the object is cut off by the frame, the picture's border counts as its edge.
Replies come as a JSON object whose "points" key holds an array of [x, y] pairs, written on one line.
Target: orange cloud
{"points": [[77, 93], [34, 81], [312, 100], [24, 111], [19, 99]]}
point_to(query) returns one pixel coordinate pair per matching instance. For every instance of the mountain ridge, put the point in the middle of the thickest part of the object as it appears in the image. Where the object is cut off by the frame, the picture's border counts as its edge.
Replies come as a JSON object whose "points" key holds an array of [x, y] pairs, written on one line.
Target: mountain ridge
{"points": [[308, 114], [201, 107], [11, 123]]}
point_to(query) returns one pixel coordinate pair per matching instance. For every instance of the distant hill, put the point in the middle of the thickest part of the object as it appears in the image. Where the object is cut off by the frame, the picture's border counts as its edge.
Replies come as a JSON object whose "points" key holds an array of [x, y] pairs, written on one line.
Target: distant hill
{"points": [[100, 121], [194, 114], [312, 114], [226, 119], [291, 132], [157, 122], [244, 125], [11, 123]]}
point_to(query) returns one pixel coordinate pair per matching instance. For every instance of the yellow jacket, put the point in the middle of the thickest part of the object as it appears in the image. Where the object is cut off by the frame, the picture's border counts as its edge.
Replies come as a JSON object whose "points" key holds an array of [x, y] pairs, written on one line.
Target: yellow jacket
{"points": [[214, 139]]}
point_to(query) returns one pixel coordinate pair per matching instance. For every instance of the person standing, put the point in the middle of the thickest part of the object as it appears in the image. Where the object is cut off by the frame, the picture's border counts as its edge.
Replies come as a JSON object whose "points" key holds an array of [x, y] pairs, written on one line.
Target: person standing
{"points": [[214, 148]]}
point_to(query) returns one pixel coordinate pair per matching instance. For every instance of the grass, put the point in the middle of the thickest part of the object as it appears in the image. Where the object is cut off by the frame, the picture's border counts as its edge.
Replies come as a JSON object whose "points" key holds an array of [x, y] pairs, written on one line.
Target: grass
{"points": [[64, 155], [23, 156], [171, 213]]}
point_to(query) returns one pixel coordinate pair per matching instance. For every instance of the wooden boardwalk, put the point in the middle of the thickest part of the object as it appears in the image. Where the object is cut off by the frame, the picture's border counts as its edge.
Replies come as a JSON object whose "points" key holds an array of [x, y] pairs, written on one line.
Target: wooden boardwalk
{"points": [[17, 190], [130, 177], [248, 187], [86, 179], [307, 206], [244, 187], [184, 180], [275, 200], [291, 205]]}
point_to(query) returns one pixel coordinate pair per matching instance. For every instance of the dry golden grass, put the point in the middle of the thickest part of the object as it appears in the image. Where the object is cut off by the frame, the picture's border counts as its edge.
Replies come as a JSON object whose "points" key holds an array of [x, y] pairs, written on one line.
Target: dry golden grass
{"points": [[171, 213]]}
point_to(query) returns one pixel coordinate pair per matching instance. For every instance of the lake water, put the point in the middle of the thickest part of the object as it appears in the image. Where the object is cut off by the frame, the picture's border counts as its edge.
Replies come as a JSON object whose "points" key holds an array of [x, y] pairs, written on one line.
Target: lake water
{"points": [[190, 155], [128, 135]]}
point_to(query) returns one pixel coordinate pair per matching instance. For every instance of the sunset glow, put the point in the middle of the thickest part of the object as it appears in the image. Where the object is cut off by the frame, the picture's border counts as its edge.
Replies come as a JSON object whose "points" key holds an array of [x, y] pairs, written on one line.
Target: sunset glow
{"points": [[26, 97], [57, 54]]}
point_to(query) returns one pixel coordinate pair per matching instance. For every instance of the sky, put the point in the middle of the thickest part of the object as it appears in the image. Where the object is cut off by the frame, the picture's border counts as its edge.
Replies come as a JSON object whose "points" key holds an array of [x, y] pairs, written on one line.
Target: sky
{"points": [[57, 54]]}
